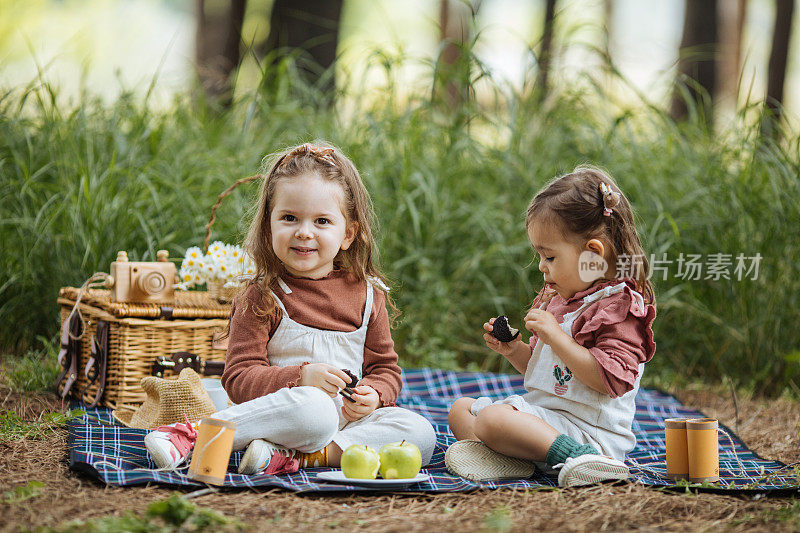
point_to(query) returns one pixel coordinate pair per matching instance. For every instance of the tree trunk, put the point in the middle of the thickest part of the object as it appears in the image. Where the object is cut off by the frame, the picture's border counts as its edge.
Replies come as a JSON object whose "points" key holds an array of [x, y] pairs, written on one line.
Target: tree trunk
{"points": [[217, 52], [776, 73], [456, 32], [731, 23], [545, 53], [608, 30], [310, 25], [697, 62]]}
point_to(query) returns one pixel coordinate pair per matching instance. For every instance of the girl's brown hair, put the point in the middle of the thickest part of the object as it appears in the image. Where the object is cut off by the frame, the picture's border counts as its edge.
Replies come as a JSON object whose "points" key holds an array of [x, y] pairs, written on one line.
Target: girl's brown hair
{"points": [[588, 204], [327, 162]]}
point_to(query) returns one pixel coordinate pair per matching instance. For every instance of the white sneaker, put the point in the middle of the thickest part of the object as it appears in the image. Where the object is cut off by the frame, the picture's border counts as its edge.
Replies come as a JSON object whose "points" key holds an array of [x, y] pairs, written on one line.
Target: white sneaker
{"points": [[169, 446], [589, 468], [474, 460], [264, 457]]}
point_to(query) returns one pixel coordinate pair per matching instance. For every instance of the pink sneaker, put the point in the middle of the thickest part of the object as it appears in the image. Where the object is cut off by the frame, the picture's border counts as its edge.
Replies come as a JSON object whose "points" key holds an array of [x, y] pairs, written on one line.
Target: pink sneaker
{"points": [[169, 446], [263, 457]]}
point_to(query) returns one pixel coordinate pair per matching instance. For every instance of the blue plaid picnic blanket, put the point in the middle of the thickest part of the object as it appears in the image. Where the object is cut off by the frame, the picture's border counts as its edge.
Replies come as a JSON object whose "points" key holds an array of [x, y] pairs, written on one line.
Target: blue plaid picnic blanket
{"points": [[116, 455]]}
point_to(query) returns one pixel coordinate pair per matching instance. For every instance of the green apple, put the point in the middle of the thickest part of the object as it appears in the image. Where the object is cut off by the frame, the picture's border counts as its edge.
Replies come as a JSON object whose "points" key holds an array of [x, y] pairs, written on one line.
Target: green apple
{"points": [[400, 460], [360, 462]]}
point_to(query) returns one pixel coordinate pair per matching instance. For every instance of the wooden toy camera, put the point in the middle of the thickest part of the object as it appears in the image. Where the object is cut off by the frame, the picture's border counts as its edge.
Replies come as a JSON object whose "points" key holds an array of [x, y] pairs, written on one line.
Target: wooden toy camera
{"points": [[142, 282]]}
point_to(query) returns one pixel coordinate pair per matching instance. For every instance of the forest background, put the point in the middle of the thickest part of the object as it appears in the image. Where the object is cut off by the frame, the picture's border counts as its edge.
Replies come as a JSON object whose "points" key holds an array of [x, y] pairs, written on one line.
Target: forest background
{"points": [[121, 122]]}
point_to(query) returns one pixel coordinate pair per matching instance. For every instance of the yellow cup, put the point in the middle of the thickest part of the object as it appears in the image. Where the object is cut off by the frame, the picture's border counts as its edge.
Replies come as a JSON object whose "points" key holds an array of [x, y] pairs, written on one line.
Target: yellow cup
{"points": [[212, 451], [677, 448], [702, 438]]}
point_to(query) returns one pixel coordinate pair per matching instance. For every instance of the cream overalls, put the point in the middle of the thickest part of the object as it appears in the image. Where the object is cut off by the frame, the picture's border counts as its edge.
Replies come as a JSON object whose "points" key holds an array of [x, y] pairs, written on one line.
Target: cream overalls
{"points": [[306, 419], [569, 406]]}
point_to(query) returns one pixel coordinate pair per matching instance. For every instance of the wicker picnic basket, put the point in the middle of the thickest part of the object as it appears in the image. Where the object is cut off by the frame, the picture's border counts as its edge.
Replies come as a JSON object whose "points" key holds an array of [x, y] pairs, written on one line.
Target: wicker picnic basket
{"points": [[138, 336], [110, 346]]}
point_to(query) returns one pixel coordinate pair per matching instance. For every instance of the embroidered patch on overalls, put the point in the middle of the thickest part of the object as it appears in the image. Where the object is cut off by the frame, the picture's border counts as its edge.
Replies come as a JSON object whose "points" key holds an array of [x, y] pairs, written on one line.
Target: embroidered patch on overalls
{"points": [[561, 377]]}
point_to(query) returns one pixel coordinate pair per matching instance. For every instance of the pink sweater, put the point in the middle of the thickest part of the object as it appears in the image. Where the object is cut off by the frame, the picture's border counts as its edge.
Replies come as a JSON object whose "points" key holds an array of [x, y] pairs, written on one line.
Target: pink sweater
{"points": [[615, 330]]}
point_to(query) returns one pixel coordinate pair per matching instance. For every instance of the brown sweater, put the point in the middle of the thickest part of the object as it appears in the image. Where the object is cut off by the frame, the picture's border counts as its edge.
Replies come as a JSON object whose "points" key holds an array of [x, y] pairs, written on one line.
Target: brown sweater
{"points": [[335, 302]]}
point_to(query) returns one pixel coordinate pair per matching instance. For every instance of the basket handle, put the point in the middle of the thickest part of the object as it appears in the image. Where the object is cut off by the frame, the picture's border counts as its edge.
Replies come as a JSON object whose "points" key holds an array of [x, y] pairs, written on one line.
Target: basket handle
{"points": [[221, 197]]}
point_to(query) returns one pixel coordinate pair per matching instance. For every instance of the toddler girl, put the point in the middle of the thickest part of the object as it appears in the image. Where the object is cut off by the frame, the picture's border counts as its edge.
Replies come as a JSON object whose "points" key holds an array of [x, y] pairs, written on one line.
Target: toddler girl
{"points": [[315, 309], [591, 335]]}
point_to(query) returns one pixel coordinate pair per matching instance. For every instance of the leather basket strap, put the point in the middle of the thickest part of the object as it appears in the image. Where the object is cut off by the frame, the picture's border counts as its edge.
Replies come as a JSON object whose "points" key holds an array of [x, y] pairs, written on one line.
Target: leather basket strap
{"points": [[97, 364], [213, 368], [69, 354], [180, 360]]}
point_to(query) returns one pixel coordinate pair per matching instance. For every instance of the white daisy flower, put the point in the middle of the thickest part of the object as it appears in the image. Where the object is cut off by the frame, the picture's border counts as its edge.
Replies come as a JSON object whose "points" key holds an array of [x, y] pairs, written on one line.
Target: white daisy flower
{"points": [[191, 265], [194, 252], [192, 260], [209, 270], [223, 262], [186, 276]]}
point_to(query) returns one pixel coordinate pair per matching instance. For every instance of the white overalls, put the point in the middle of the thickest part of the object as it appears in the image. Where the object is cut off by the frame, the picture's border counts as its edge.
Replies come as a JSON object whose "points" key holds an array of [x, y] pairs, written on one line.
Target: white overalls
{"points": [[306, 419], [569, 406]]}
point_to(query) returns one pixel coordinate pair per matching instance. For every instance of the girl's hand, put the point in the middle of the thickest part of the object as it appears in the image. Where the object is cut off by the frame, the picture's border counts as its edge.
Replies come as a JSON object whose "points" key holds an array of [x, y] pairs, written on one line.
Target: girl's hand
{"points": [[366, 400], [323, 376], [544, 324], [503, 348], [547, 294]]}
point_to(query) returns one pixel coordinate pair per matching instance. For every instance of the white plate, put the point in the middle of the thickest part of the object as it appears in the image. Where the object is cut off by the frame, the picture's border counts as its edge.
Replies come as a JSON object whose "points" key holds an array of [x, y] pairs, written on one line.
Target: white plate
{"points": [[337, 476]]}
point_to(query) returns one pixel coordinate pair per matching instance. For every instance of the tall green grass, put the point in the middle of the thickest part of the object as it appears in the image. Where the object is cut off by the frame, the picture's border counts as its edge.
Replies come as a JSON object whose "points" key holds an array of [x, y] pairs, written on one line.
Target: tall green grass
{"points": [[450, 186]]}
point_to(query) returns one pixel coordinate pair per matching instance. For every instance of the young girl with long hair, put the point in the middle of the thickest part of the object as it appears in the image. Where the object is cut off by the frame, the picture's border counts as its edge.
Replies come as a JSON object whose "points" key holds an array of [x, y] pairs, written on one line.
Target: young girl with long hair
{"points": [[591, 333], [315, 310]]}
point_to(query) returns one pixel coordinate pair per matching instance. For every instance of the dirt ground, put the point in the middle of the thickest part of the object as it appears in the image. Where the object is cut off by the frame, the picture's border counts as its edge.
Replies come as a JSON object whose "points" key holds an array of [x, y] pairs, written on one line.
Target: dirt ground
{"points": [[770, 428]]}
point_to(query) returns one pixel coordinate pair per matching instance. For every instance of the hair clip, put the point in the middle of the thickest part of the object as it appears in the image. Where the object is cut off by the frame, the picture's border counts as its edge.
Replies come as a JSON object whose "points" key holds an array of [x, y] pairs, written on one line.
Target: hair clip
{"points": [[610, 198], [327, 157], [320, 154]]}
